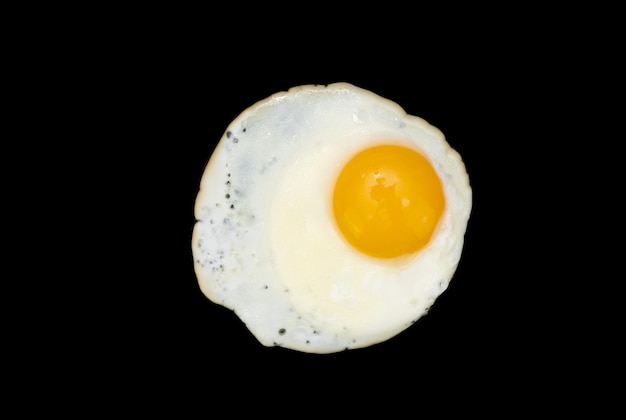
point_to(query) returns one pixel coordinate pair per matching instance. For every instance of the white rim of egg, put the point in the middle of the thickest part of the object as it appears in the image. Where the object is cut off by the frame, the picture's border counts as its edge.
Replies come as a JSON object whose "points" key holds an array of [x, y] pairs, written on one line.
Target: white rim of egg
{"points": [[268, 249]]}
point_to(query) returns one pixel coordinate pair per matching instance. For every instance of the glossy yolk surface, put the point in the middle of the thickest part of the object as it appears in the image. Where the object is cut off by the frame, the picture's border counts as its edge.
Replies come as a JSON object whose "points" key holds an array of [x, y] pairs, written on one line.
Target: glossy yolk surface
{"points": [[387, 201]]}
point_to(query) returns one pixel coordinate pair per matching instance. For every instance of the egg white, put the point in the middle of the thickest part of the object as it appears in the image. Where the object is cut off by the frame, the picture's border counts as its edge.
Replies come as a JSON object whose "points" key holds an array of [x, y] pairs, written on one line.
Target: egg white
{"points": [[265, 243]]}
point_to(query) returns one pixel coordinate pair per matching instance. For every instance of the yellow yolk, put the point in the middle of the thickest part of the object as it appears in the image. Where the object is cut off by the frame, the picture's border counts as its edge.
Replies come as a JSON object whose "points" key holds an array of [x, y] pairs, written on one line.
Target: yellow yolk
{"points": [[387, 201]]}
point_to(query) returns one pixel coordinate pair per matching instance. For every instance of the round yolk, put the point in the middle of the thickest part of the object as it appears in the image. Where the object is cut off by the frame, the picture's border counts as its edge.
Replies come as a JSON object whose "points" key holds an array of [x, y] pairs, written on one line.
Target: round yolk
{"points": [[387, 201]]}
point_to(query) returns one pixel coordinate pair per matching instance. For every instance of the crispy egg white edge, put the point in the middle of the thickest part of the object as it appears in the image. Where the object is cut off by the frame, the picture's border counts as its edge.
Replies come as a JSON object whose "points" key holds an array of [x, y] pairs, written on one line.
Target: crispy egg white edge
{"points": [[232, 260]]}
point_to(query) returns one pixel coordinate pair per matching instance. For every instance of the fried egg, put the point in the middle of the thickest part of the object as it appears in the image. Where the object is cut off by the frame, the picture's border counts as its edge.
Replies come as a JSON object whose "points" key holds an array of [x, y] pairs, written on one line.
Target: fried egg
{"points": [[329, 219]]}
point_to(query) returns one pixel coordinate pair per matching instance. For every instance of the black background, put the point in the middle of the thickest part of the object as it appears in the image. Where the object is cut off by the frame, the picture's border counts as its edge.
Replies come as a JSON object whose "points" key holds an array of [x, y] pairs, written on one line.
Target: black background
{"points": [[157, 97], [116, 111]]}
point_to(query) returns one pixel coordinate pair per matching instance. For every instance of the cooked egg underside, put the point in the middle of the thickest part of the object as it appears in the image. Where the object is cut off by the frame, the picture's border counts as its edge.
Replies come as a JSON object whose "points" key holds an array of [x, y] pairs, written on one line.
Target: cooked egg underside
{"points": [[265, 243]]}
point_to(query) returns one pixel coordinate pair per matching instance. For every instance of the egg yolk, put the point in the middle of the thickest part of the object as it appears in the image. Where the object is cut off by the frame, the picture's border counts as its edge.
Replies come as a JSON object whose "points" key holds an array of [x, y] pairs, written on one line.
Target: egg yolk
{"points": [[387, 201]]}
